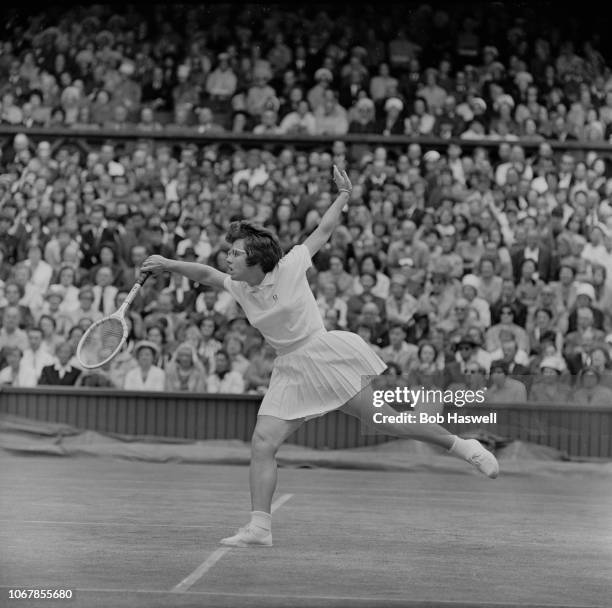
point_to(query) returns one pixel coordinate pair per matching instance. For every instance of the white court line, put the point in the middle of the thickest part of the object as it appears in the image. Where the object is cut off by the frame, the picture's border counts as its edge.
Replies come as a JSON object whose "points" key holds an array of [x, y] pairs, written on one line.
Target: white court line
{"points": [[216, 555]]}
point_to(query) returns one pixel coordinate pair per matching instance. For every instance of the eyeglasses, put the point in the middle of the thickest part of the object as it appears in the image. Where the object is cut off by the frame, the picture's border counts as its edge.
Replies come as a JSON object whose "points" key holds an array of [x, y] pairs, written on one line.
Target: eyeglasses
{"points": [[235, 253]]}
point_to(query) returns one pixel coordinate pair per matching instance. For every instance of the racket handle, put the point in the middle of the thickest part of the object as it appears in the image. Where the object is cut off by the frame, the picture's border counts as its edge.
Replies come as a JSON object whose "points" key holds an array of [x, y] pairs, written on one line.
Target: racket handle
{"points": [[143, 277]]}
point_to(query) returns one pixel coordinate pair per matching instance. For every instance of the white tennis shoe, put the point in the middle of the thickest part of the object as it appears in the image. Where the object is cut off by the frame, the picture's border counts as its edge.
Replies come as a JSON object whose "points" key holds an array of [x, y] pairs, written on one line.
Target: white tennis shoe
{"points": [[481, 458], [249, 537]]}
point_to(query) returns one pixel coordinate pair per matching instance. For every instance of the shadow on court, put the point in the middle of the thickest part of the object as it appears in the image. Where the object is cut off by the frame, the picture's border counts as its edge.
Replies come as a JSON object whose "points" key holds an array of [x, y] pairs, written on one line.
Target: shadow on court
{"points": [[126, 534]]}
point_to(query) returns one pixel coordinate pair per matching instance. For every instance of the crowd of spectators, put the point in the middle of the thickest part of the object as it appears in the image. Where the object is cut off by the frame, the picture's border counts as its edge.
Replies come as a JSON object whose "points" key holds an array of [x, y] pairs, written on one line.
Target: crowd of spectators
{"points": [[490, 262], [494, 70], [461, 267]]}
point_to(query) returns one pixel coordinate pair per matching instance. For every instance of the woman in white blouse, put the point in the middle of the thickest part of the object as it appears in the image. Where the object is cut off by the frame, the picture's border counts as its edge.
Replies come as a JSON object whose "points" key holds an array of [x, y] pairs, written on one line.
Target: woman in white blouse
{"points": [[145, 377]]}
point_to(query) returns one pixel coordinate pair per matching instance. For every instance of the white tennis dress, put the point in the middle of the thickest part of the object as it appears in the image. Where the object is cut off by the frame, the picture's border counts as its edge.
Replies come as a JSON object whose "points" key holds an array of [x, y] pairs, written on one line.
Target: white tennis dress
{"points": [[316, 371]]}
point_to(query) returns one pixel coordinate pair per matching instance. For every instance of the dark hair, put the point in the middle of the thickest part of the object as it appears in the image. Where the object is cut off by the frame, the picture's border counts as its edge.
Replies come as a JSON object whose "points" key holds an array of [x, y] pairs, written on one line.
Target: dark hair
{"points": [[260, 244], [546, 310], [372, 257], [50, 318], [422, 345], [499, 364]]}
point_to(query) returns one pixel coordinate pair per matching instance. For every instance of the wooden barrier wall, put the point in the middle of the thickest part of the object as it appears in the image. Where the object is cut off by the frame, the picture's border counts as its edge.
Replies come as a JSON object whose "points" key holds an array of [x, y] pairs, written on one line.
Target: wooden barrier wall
{"points": [[577, 430]]}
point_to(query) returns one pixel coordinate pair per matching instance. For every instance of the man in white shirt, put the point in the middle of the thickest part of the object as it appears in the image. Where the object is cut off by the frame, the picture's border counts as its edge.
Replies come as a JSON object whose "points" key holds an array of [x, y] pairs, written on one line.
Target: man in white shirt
{"points": [[104, 291], [10, 334], [34, 359], [9, 375], [224, 380], [196, 240], [255, 173], [399, 351]]}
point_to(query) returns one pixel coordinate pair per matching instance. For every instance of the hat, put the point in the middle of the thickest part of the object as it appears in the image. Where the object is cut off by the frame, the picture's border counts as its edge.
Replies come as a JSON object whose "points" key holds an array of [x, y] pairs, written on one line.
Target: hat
{"points": [[366, 103], [523, 77], [127, 68], [479, 102], [146, 344], [585, 289], [589, 371], [499, 364], [505, 98], [491, 49], [604, 229], [222, 56], [552, 363], [432, 155], [55, 290], [399, 279], [471, 280], [323, 74], [547, 288], [86, 290], [115, 169], [394, 102], [466, 340], [449, 230]]}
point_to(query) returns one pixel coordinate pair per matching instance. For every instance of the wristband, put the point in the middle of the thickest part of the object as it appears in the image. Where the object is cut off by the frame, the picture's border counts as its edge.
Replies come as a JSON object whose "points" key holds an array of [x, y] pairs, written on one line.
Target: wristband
{"points": [[344, 190]]}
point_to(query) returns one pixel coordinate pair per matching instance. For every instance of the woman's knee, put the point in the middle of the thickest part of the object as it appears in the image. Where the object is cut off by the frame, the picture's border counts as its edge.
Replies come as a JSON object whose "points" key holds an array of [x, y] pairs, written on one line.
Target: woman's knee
{"points": [[263, 444]]}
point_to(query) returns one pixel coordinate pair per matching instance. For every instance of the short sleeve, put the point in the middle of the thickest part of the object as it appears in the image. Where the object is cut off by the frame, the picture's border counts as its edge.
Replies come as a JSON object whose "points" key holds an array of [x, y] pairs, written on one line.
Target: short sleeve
{"points": [[298, 258], [233, 287]]}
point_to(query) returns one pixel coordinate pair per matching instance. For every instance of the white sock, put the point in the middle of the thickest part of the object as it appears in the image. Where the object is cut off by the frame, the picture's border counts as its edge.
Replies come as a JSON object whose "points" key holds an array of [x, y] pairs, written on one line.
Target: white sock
{"points": [[459, 448], [262, 520]]}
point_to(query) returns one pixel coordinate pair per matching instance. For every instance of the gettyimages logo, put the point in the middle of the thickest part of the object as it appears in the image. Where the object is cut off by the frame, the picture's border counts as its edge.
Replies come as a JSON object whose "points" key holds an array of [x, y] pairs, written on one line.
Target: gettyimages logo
{"points": [[427, 405]]}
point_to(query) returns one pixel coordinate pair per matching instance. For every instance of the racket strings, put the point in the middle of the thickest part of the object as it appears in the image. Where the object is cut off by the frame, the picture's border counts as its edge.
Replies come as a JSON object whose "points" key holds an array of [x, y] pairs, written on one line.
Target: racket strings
{"points": [[101, 342]]}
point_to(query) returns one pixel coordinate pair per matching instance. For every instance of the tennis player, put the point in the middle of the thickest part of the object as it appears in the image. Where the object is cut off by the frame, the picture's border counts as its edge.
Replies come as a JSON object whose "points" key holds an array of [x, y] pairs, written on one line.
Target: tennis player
{"points": [[316, 371]]}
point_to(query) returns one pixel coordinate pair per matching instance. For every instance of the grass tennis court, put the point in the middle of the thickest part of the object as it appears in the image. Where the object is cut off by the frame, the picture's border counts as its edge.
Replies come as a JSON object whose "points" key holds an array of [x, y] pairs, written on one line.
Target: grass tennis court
{"points": [[121, 533]]}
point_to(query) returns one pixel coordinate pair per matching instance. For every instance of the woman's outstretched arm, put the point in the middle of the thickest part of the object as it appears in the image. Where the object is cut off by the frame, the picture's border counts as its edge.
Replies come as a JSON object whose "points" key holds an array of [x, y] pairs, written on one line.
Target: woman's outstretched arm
{"points": [[200, 273], [331, 218]]}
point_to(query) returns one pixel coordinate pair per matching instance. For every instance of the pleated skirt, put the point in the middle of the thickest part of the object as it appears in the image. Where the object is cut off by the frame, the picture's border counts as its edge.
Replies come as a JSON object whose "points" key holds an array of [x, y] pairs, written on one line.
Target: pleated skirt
{"points": [[320, 376]]}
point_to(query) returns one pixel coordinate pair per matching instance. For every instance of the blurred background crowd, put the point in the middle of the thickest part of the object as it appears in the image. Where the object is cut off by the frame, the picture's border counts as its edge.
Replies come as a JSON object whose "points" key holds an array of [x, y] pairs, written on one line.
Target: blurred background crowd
{"points": [[498, 70], [469, 263]]}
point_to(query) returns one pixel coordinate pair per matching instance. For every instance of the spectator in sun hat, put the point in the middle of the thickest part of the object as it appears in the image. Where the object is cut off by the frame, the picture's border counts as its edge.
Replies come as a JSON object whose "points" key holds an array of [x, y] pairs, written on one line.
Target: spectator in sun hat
{"points": [[550, 386], [392, 123], [315, 95], [146, 376]]}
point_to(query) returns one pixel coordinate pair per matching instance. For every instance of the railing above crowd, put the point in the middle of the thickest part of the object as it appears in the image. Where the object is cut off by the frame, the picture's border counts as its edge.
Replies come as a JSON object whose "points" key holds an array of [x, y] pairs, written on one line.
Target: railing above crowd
{"points": [[60, 135]]}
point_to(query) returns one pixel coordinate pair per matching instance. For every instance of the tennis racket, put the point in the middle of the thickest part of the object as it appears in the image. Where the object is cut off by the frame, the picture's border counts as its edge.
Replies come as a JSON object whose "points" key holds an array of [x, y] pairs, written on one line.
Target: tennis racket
{"points": [[104, 339]]}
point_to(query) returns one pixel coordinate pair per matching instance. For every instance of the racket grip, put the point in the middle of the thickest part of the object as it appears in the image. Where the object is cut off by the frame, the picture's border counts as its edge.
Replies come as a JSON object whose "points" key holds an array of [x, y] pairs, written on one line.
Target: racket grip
{"points": [[143, 277]]}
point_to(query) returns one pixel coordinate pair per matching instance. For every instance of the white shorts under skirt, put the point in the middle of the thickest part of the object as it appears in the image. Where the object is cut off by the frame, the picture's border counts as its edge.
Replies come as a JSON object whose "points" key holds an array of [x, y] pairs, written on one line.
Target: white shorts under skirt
{"points": [[320, 376]]}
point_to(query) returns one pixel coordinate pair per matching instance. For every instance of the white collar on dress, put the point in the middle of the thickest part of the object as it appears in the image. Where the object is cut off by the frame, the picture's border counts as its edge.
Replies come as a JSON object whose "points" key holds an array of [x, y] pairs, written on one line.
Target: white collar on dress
{"points": [[269, 279]]}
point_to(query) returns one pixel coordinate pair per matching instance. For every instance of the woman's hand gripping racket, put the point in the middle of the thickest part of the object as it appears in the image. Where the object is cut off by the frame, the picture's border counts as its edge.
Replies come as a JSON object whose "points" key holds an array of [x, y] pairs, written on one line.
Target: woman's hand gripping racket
{"points": [[104, 339]]}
